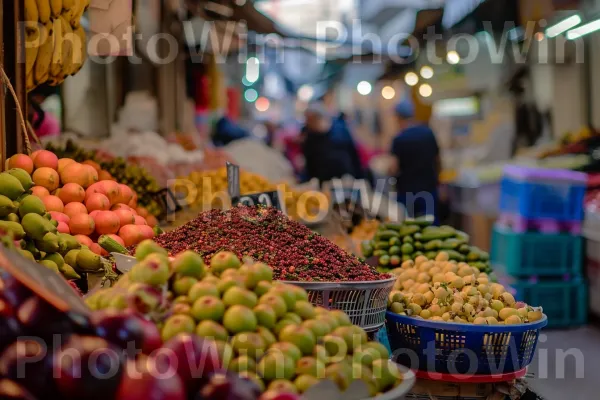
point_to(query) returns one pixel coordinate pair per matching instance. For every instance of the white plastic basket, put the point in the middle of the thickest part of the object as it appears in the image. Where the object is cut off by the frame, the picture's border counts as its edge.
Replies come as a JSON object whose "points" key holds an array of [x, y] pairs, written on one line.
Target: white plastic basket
{"points": [[364, 302]]}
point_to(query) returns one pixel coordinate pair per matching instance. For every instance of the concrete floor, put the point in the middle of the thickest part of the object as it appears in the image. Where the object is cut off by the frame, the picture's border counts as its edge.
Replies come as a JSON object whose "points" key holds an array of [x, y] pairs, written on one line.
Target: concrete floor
{"points": [[567, 365]]}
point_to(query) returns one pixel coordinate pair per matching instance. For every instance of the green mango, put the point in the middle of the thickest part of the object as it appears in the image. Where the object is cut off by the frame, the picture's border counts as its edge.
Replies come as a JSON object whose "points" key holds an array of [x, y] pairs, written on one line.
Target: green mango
{"points": [[7, 206], [32, 205], [14, 228], [37, 226], [57, 258], [69, 272], [48, 244], [22, 176], [10, 186]]}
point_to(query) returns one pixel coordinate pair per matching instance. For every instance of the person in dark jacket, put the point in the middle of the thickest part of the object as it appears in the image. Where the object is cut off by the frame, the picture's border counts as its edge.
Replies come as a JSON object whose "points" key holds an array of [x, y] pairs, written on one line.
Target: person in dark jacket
{"points": [[417, 163], [328, 148]]}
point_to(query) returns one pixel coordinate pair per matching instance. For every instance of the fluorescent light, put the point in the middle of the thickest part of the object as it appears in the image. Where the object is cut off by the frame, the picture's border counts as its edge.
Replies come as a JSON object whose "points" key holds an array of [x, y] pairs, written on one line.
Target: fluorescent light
{"points": [[584, 30], [563, 26], [252, 69]]}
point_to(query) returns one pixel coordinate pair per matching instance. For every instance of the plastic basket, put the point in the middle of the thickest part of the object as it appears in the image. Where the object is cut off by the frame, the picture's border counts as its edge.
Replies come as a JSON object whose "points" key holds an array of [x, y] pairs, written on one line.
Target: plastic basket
{"points": [[536, 193], [526, 254], [451, 348], [364, 302], [565, 303]]}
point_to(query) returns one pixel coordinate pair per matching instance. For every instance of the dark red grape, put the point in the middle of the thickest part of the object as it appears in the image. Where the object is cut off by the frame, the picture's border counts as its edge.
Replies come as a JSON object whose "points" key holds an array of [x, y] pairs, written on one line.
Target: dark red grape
{"points": [[87, 367], [27, 362], [193, 358], [143, 381], [127, 330], [228, 386]]}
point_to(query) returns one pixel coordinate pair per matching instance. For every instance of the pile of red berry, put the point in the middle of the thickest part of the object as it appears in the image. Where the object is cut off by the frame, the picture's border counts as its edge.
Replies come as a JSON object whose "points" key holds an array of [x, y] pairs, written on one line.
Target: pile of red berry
{"points": [[293, 251]]}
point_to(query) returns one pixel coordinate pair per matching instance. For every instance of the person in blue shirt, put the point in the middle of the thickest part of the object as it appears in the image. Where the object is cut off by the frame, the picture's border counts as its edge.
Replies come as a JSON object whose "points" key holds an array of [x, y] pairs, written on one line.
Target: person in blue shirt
{"points": [[416, 163]]}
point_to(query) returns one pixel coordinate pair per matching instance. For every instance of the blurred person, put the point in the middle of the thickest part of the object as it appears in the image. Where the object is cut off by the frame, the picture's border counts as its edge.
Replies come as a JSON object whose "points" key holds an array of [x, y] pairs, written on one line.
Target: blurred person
{"points": [[44, 122], [328, 148], [416, 163], [227, 131]]}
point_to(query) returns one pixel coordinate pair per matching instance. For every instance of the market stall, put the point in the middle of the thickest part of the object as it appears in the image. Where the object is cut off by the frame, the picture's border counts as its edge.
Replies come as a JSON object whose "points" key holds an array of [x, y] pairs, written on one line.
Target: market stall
{"points": [[235, 301]]}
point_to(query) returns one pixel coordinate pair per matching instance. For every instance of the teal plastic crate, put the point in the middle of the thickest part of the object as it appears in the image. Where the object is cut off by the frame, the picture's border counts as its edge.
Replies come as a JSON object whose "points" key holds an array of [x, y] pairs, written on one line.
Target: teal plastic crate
{"points": [[565, 303], [537, 254]]}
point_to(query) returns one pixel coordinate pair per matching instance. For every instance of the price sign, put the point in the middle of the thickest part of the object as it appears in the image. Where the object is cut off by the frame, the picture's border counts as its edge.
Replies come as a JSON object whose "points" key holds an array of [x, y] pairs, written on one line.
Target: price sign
{"points": [[43, 282], [233, 180], [267, 199]]}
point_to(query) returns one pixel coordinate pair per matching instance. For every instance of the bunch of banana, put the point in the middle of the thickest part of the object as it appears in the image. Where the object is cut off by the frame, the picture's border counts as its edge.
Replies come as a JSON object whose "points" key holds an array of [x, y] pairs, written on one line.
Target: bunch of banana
{"points": [[55, 41]]}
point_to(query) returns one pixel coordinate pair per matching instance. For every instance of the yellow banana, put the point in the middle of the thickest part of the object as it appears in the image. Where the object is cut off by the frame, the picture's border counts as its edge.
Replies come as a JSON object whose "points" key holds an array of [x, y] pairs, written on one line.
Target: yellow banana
{"points": [[69, 39], [56, 7], [57, 56], [31, 11], [41, 69], [44, 11], [68, 4], [76, 12], [29, 83], [32, 45], [79, 50]]}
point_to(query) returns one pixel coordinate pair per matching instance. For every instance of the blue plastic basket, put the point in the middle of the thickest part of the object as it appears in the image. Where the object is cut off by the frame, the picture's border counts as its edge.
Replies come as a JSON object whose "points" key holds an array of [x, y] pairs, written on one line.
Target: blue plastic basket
{"points": [[560, 200], [461, 348], [565, 303], [526, 254]]}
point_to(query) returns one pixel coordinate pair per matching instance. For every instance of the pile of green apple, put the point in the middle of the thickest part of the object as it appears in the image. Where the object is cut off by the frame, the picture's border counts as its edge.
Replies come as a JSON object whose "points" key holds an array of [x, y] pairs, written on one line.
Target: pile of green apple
{"points": [[265, 331]]}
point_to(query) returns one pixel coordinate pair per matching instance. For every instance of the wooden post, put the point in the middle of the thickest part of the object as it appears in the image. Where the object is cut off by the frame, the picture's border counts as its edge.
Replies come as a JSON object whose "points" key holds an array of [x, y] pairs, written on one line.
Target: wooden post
{"points": [[12, 59]]}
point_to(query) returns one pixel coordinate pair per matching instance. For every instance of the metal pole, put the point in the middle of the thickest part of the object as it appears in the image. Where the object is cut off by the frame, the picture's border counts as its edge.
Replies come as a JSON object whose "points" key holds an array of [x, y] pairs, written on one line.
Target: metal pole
{"points": [[13, 62]]}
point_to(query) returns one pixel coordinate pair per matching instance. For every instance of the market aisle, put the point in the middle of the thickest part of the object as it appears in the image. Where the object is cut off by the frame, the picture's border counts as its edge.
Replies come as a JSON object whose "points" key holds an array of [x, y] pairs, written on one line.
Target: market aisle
{"points": [[562, 380]]}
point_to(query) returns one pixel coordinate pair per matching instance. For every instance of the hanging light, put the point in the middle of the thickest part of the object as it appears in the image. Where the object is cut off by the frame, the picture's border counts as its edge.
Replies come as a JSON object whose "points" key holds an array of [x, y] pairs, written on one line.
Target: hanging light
{"points": [[411, 79], [453, 57], [427, 72], [305, 93], [388, 92], [364, 88], [425, 90], [250, 95], [262, 104]]}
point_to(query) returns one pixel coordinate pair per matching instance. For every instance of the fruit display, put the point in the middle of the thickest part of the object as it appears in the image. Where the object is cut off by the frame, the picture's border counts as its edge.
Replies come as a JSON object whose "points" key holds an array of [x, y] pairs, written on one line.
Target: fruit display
{"points": [[77, 200], [395, 243], [55, 40], [264, 330], [300, 205], [294, 251], [445, 290], [137, 178], [38, 236], [110, 355]]}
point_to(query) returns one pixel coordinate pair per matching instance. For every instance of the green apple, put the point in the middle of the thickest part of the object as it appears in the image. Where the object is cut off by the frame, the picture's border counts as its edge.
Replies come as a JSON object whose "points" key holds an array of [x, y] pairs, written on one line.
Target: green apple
{"points": [[239, 318], [300, 336]]}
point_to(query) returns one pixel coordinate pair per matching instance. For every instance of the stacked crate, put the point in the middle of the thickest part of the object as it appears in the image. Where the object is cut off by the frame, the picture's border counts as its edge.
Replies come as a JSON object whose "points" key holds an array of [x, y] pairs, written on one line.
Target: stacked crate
{"points": [[537, 244]]}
